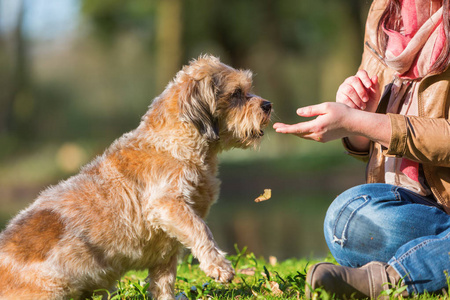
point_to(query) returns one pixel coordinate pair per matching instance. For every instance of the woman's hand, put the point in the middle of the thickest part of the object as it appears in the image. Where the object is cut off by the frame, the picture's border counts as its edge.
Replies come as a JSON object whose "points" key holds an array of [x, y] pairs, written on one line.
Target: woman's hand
{"points": [[359, 92], [335, 121], [329, 125]]}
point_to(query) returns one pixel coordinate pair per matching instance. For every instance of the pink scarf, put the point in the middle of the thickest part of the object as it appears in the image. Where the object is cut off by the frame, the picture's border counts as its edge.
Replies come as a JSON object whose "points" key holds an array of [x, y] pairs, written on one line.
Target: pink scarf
{"points": [[413, 50]]}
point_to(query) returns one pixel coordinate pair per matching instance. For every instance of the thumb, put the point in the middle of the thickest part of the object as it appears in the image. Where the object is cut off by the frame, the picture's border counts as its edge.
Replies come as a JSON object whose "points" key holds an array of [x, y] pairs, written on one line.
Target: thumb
{"points": [[311, 111]]}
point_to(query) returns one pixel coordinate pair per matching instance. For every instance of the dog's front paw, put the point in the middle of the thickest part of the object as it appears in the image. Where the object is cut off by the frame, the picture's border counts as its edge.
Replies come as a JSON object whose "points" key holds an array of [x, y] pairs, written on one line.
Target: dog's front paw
{"points": [[221, 270]]}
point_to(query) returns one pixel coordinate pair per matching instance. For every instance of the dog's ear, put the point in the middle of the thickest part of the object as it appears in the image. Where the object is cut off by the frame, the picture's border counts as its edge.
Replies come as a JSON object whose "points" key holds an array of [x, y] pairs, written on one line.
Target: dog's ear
{"points": [[198, 104]]}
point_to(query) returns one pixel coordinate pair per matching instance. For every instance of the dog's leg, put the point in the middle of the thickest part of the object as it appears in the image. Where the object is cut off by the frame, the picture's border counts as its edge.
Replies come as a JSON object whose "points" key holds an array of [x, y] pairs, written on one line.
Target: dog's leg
{"points": [[162, 279], [179, 220]]}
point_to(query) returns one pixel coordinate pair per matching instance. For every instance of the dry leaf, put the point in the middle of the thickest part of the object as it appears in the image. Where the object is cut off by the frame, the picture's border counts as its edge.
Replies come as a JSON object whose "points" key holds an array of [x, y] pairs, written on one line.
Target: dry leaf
{"points": [[266, 196], [275, 287]]}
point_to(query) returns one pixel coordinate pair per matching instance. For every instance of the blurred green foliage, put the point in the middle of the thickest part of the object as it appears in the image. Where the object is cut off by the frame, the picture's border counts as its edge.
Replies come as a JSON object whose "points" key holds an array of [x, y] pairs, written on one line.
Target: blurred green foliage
{"points": [[96, 82]]}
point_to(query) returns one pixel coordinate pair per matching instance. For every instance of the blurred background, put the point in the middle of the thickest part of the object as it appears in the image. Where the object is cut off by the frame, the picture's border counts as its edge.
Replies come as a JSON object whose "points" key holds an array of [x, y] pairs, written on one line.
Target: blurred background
{"points": [[77, 74]]}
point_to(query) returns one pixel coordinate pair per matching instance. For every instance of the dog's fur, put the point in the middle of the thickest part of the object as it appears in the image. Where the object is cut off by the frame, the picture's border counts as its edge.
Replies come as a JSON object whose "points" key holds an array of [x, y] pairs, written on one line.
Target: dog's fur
{"points": [[134, 206]]}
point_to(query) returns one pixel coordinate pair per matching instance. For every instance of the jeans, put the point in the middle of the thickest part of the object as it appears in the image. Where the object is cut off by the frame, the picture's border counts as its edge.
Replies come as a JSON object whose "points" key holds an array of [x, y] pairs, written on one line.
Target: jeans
{"points": [[381, 222]]}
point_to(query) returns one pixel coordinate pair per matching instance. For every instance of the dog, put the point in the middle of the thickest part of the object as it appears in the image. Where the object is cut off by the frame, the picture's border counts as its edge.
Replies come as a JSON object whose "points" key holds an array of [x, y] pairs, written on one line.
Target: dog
{"points": [[143, 199]]}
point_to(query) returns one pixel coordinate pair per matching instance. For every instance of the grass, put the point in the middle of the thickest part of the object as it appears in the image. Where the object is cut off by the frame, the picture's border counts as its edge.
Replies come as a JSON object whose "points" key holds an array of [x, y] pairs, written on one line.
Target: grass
{"points": [[256, 278]]}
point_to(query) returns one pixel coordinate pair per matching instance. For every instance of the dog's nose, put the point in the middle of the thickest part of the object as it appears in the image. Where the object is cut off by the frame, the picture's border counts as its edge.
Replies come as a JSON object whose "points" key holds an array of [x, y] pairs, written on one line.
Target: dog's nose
{"points": [[266, 106]]}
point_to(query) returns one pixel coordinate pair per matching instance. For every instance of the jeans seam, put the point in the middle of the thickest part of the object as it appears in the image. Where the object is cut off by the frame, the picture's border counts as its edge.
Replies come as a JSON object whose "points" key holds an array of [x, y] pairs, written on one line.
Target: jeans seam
{"points": [[395, 262], [343, 239], [422, 244], [412, 250], [397, 195]]}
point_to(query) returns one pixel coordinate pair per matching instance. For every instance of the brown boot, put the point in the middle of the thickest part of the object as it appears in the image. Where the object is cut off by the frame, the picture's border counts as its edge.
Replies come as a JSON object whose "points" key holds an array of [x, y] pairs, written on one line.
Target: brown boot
{"points": [[367, 281]]}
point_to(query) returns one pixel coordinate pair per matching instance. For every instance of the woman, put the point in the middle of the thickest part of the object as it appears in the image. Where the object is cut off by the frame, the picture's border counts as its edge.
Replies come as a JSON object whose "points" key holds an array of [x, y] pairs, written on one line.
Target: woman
{"points": [[394, 114]]}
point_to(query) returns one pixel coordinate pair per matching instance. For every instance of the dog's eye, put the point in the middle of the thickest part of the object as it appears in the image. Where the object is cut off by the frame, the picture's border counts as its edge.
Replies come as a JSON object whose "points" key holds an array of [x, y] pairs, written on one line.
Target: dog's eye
{"points": [[237, 93]]}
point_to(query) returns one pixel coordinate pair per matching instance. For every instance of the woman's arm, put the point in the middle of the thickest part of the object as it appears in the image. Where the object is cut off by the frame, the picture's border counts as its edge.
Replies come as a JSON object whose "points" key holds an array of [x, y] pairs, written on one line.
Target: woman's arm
{"points": [[337, 120], [426, 140]]}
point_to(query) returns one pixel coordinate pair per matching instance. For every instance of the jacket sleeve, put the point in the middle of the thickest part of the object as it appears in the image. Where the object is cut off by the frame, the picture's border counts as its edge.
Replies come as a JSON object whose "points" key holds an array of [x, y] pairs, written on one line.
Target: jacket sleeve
{"points": [[360, 155], [425, 140]]}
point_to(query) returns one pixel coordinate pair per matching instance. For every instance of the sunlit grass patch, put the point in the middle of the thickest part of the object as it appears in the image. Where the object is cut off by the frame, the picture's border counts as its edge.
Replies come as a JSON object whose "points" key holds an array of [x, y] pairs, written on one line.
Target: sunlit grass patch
{"points": [[256, 278]]}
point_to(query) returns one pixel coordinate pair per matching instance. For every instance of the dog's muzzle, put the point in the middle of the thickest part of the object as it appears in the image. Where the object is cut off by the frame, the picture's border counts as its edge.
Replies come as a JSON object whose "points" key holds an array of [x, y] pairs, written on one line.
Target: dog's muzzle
{"points": [[266, 106]]}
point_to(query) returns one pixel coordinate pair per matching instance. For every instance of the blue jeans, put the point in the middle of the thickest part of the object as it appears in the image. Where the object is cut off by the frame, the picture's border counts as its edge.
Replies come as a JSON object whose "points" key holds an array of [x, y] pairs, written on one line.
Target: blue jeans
{"points": [[381, 222]]}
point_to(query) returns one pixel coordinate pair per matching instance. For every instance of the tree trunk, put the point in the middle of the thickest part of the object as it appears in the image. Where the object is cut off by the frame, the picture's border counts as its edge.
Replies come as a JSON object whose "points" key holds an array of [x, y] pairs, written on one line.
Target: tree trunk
{"points": [[15, 95], [168, 40]]}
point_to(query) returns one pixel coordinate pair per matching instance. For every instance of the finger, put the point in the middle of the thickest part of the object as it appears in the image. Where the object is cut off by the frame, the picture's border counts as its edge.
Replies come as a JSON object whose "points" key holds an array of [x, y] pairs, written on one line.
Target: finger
{"points": [[374, 80], [281, 127], [364, 77], [278, 125], [360, 88], [341, 98], [349, 92], [311, 111], [353, 87], [299, 129], [285, 129]]}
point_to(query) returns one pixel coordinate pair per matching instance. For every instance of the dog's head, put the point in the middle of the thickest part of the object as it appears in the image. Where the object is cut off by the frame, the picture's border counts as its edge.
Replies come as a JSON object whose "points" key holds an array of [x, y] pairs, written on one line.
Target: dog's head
{"points": [[217, 100]]}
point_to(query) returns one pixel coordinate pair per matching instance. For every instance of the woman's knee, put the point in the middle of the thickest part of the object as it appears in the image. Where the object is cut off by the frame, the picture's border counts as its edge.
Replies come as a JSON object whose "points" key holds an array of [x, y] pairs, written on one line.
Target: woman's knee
{"points": [[352, 224], [348, 203], [360, 196]]}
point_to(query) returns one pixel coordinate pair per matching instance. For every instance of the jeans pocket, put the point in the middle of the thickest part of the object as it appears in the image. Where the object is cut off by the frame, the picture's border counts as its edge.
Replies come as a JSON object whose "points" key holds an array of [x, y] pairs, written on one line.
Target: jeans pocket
{"points": [[345, 215]]}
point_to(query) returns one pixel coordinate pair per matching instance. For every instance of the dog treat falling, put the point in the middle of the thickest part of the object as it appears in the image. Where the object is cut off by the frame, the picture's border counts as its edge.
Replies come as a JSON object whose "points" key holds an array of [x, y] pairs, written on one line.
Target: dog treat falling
{"points": [[266, 196]]}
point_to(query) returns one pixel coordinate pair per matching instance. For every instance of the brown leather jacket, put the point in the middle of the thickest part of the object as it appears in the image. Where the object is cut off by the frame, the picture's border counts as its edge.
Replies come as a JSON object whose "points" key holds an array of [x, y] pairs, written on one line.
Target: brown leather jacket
{"points": [[425, 138]]}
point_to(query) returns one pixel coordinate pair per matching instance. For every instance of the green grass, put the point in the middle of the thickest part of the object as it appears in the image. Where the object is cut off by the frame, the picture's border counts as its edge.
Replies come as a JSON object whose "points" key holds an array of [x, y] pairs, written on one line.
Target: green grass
{"points": [[256, 278]]}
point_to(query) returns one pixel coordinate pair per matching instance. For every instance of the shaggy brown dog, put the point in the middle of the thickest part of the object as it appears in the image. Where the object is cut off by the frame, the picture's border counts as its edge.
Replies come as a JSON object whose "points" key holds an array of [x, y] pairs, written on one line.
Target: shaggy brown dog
{"points": [[145, 197]]}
